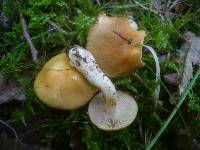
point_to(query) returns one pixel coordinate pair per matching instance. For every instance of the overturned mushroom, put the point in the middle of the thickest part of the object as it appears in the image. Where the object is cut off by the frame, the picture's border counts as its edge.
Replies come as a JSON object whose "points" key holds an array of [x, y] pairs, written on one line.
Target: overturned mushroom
{"points": [[111, 109], [116, 45], [61, 86]]}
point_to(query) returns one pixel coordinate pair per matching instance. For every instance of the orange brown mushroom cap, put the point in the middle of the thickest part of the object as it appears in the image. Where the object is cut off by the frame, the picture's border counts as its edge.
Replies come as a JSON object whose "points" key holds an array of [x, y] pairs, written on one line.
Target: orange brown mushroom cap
{"points": [[61, 86], [116, 46]]}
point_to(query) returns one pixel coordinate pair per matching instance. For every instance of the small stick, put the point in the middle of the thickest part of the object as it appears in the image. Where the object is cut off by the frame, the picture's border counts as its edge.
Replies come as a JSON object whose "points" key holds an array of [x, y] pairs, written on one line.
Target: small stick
{"points": [[98, 2], [174, 4], [56, 26], [145, 8], [26, 35], [14, 132], [130, 41]]}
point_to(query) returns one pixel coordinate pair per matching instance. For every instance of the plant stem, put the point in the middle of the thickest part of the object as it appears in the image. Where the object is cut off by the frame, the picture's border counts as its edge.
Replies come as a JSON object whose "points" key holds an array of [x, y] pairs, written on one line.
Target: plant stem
{"points": [[181, 100]]}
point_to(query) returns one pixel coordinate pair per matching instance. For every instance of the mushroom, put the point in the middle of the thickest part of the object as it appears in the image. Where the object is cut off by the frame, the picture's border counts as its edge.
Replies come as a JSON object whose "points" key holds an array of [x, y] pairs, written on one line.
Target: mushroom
{"points": [[116, 44], [61, 86], [110, 110]]}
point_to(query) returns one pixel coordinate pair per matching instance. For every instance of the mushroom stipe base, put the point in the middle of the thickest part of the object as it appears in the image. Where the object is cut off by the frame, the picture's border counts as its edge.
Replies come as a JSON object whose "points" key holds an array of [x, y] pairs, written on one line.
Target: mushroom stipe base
{"points": [[126, 111]]}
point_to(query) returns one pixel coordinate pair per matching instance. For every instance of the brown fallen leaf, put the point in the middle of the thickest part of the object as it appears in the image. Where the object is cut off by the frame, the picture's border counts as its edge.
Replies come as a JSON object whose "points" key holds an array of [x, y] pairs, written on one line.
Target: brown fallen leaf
{"points": [[8, 143], [165, 8], [195, 144], [179, 8], [173, 78], [189, 56], [10, 90]]}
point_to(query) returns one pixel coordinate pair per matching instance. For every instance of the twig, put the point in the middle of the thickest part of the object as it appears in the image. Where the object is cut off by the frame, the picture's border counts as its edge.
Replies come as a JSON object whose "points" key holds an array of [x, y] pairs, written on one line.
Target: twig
{"points": [[168, 3], [196, 143], [140, 129], [14, 132], [6, 23], [174, 4], [122, 6], [142, 81], [98, 2], [48, 125], [26, 35], [122, 37], [56, 26], [145, 8], [151, 10]]}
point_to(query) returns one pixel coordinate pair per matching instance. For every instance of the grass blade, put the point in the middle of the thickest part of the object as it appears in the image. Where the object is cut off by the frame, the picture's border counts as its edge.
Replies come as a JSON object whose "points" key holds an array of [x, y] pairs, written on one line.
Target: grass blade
{"points": [[181, 100]]}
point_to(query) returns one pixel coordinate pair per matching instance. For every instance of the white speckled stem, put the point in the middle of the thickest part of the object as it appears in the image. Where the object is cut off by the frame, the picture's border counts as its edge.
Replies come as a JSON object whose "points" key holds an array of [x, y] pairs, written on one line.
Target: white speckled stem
{"points": [[84, 62]]}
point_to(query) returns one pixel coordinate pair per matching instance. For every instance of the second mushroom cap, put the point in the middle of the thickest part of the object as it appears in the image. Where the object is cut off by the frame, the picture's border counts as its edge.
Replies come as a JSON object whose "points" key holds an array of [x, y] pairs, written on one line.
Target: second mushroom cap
{"points": [[116, 45]]}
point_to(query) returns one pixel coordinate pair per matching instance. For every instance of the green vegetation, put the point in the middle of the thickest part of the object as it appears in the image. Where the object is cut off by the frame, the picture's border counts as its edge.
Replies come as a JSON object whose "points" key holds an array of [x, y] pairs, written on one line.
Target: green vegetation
{"points": [[58, 129]]}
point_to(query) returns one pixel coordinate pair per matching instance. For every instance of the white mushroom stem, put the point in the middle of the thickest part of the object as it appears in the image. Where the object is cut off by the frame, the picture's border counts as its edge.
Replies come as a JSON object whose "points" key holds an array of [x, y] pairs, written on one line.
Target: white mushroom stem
{"points": [[84, 62], [157, 90], [134, 26], [132, 23]]}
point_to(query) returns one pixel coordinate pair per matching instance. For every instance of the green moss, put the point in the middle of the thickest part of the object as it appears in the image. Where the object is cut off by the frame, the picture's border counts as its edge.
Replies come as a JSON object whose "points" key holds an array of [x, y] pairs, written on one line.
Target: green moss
{"points": [[76, 17]]}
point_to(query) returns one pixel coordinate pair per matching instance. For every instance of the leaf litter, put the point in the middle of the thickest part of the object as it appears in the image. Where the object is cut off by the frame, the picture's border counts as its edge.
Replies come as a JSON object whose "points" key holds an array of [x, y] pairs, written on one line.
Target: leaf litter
{"points": [[187, 58], [168, 9], [10, 90]]}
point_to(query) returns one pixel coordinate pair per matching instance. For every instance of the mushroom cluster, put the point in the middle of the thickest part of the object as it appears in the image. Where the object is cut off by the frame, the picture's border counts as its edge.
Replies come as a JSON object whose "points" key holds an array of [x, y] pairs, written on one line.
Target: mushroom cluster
{"points": [[69, 80], [109, 110]]}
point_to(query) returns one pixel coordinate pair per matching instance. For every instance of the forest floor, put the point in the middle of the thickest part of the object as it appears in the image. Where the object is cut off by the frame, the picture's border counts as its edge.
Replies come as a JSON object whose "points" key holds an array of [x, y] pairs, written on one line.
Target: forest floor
{"points": [[47, 27]]}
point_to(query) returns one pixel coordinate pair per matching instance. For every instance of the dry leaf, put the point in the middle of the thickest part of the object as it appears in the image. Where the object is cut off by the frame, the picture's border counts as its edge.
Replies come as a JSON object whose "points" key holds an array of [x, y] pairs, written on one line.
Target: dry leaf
{"points": [[10, 90], [8, 143], [173, 78], [195, 144], [2, 81], [165, 8], [189, 56], [159, 5]]}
